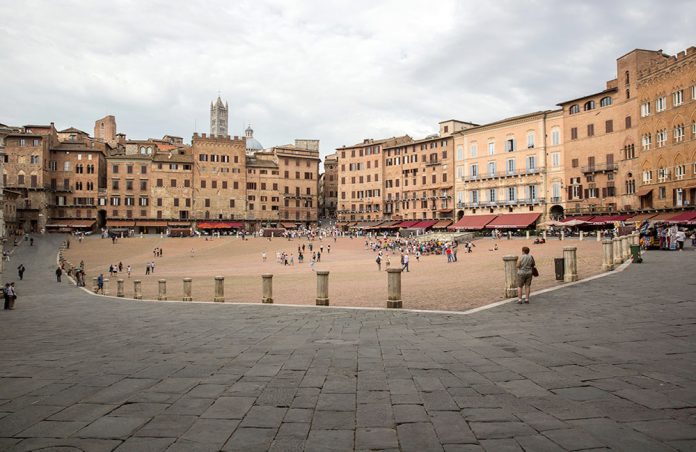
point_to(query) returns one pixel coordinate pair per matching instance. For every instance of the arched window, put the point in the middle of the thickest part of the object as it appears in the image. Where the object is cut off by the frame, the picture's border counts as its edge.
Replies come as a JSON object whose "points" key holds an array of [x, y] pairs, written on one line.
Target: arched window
{"points": [[605, 101], [149, 150], [574, 109], [589, 105], [142, 150]]}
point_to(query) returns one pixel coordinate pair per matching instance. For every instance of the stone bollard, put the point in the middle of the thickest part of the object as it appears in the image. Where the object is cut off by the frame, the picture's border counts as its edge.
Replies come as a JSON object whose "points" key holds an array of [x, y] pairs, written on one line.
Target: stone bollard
{"points": [[570, 261], [162, 291], [582, 235], [219, 290], [527, 235], [137, 290], [106, 286], [267, 288], [616, 245], [608, 255], [510, 276], [544, 233], [95, 287], [187, 289], [636, 238], [394, 288], [322, 288], [599, 236], [625, 248], [562, 234], [119, 288]]}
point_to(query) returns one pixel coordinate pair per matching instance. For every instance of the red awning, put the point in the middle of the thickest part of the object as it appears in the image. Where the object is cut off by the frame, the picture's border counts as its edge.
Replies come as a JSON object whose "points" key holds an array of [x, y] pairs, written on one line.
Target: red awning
{"points": [[683, 217], [71, 223], [609, 219], [408, 224], [442, 224], [580, 218], [152, 223], [641, 217], [513, 220], [220, 225], [425, 224], [473, 222]]}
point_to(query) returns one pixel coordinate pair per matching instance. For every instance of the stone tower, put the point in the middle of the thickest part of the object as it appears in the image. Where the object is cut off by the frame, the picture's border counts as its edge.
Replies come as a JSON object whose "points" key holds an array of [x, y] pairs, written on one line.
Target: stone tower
{"points": [[218, 118]]}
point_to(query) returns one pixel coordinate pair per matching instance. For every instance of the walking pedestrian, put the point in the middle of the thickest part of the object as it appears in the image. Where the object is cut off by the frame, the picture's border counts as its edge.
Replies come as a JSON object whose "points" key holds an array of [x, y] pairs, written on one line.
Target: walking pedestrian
{"points": [[120, 267], [13, 295], [525, 271], [404, 262], [100, 283], [20, 271], [379, 262], [59, 273], [6, 295], [31, 241], [128, 269], [147, 268]]}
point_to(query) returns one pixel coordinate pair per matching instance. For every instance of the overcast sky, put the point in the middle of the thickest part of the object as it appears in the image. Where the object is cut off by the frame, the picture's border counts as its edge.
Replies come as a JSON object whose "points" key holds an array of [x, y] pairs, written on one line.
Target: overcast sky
{"points": [[339, 71]]}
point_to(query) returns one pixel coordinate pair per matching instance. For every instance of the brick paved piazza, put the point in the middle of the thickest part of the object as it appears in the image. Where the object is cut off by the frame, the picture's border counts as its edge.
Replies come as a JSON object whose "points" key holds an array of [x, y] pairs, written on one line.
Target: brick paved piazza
{"points": [[607, 364]]}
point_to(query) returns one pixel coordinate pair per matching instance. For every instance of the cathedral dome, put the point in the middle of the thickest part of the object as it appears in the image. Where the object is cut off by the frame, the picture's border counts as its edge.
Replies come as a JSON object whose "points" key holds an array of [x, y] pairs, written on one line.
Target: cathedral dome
{"points": [[252, 144]]}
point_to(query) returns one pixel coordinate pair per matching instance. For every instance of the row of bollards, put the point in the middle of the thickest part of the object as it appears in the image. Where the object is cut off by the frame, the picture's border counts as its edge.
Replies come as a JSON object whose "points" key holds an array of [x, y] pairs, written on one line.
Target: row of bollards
{"points": [[393, 287], [617, 250]]}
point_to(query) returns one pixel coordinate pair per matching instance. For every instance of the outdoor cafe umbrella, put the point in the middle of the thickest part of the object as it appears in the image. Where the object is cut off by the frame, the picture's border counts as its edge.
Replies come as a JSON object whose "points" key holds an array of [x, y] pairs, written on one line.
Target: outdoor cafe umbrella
{"points": [[572, 223]]}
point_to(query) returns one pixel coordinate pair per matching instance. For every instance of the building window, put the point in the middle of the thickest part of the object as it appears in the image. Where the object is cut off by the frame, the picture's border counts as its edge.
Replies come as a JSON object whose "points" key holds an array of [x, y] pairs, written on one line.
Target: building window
{"points": [[605, 101], [679, 133], [460, 152], [661, 192], [661, 138], [510, 145], [661, 104], [66, 166], [677, 98], [646, 141], [630, 186], [530, 140], [491, 169], [589, 105], [114, 169], [679, 172], [609, 126], [473, 170], [491, 148], [512, 193], [555, 159], [114, 184], [172, 183], [510, 166], [628, 122], [575, 163], [531, 163], [647, 176], [644, 109], [474, 196], [574, 133], [555, 136], [630, 151], [574, 109], [590, 130]]}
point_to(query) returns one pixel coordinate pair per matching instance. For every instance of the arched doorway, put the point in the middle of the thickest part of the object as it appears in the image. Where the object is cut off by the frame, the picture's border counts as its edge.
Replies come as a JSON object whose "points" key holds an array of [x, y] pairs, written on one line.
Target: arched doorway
{"points": [[556, 212]]}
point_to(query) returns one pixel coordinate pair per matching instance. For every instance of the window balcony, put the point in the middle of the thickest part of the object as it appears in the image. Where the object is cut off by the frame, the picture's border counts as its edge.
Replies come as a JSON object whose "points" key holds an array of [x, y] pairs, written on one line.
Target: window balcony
{"points": [[601, 168]]}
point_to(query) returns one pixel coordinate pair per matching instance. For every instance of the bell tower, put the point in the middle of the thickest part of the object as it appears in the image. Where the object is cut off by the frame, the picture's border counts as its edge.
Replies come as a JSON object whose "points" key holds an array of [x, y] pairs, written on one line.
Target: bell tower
{"points": [[218, 118]]}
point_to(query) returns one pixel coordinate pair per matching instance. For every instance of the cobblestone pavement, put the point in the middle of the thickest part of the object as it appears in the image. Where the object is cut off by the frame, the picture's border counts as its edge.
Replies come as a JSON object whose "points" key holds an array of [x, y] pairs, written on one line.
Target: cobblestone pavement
{"points": [[607, 364]]}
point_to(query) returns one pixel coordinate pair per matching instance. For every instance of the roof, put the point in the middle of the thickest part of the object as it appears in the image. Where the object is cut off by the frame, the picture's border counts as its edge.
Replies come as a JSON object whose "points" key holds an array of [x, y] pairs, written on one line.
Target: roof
{"points": [[513, 220], [683, 217], [72, 130], [372, 142], [606, 91], [425, 224], [608, 219], [256, 163], [472, 222], [457, 120]]}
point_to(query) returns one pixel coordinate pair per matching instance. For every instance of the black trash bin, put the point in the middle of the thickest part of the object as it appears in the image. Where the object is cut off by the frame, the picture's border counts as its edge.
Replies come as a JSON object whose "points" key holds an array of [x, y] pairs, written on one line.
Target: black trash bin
{"points": [[559, 265], [635, 252]]}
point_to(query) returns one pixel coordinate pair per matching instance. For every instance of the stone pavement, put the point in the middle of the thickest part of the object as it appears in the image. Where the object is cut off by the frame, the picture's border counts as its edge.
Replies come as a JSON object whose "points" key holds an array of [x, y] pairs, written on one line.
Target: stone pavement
{"points": [[607, 364]]}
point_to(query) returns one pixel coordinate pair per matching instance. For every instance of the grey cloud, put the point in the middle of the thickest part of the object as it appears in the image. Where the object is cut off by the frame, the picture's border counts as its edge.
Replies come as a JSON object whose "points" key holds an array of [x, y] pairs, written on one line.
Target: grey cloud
{"points": [[338, 71]]}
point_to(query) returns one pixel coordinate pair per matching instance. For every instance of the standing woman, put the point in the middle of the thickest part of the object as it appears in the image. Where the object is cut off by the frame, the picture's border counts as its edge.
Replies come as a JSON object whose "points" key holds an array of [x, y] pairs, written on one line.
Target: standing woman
{"points": [[525, 269]]}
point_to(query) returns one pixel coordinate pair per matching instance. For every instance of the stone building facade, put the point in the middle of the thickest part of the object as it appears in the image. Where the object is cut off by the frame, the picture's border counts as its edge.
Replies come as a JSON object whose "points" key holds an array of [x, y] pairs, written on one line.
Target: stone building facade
{"points": [[329, 187], [665, 174], [105, 130], [219, 177], [511, 166], [601, 137], [298, 179]]}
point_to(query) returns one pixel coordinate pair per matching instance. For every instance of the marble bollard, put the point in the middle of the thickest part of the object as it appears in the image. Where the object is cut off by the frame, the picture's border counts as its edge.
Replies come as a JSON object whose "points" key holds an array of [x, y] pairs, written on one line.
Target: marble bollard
{"points": [[322, 288], [162, 289], [570, 261], [187, 290], [618, 260], [607, 255], [267, 288], [510, 276], [394, 288], [119, 288], [137, 289], [219, 290]]}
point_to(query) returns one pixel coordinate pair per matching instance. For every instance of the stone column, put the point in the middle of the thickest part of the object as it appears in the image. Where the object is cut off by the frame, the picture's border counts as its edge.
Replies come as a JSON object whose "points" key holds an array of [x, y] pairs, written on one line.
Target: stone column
{"points": [[219, 289], [544, 233], [119, 288], [608, 255], [510, 276], [570, 261], [625, 248], [394, 288], [322, 288], [527, 235], [95, 287], [582, 235], [599, 236], [267, 288], [162, 292], [137, 290], [617, 251], [106, 286], [187, 289], [562, 234]]}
